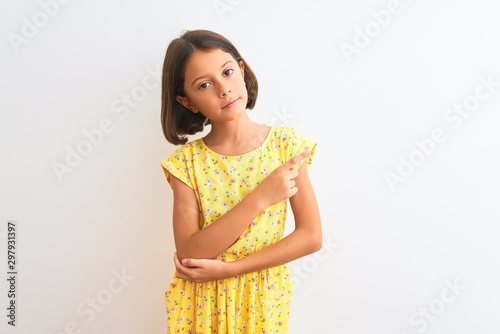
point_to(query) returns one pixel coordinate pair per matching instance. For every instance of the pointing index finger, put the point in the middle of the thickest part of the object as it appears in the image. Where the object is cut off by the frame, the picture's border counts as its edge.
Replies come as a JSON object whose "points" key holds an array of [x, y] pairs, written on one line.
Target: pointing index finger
{"points": [[298, 158]]}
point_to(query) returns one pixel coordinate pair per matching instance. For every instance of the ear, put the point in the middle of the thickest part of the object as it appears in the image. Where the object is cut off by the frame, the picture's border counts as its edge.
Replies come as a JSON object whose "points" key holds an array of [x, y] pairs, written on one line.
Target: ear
{"points": [[242, 68], [185, 102]]}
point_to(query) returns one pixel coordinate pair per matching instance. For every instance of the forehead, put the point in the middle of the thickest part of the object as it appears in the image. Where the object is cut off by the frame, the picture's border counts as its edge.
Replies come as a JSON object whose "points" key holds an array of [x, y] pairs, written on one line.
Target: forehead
{"points": [[202, 62]]}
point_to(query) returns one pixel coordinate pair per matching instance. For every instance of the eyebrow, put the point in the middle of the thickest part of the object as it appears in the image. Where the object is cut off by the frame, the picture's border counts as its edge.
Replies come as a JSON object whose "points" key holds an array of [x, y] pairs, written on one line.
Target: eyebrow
{"points": [[229, 61]]}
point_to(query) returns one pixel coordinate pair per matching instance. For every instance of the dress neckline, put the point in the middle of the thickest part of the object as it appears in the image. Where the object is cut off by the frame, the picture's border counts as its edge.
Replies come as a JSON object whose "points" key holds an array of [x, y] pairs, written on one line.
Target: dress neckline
{"points": [[242, 154]]}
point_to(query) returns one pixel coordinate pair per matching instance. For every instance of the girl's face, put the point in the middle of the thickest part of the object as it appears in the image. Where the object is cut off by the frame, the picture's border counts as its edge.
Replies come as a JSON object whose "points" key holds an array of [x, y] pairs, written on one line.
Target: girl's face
{"points": [[214, 86]]}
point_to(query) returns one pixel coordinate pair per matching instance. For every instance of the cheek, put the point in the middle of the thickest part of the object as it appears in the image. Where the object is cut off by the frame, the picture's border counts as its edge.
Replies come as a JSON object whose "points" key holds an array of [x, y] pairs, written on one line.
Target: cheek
{"points": [[240, 82], [244, 87], [195, 96]]}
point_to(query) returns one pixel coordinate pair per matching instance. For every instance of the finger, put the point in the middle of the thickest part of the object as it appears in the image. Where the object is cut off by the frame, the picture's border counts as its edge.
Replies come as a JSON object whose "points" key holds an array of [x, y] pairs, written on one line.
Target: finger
{"points": [[190, 263], [178, 264], [298, 158], [178, 268], [177, 260], [181, 275], [293, 173]]}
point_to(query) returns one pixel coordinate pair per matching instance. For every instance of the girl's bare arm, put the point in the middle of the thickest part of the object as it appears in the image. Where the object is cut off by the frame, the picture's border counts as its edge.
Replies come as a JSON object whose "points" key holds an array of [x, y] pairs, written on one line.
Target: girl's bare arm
{"points": [[305, 239]]}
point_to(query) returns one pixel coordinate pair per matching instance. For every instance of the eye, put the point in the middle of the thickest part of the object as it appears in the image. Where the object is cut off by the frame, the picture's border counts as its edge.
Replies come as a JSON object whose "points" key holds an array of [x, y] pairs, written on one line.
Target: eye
{"points": [[229, 71], [204, 85]]}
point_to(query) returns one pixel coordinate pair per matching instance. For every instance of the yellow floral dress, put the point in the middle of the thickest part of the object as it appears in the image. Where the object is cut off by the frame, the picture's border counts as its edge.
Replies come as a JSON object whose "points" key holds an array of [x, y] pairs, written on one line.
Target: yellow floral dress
{"points": [[257, 302]]}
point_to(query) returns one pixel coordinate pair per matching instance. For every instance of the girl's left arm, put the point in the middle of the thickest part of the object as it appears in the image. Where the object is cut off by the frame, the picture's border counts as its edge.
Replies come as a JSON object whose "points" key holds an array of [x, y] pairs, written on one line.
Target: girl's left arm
{"points": [[305, 239]]}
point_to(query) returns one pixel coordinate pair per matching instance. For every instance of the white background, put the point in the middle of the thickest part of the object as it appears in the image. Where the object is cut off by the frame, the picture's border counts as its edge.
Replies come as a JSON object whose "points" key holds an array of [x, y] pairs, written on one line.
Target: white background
{"points": [[391, 253]]}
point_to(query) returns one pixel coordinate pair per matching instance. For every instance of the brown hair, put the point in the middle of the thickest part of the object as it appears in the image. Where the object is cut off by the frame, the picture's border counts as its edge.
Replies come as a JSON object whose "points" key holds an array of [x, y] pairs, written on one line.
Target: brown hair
{"points": [[176, 120]]}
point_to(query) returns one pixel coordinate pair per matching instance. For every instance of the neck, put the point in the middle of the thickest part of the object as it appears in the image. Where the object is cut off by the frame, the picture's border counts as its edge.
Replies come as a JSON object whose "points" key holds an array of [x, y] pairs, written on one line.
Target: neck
{"points": [[236, 137], [233, 131]]}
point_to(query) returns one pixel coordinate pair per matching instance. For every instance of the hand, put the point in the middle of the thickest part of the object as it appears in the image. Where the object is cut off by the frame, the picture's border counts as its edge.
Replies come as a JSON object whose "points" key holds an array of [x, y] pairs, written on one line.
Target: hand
{"points": [[202, 270], [280, 184]]}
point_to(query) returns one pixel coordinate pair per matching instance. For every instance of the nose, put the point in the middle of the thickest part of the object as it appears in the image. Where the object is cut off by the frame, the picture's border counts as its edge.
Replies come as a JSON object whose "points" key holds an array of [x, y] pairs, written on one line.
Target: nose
{"points": [[224, 90]]}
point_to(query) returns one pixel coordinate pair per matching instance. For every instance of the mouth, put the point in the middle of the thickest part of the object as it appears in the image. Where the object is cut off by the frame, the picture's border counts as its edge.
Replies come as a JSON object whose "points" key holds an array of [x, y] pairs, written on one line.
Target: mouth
{"points": [[230, 104]]}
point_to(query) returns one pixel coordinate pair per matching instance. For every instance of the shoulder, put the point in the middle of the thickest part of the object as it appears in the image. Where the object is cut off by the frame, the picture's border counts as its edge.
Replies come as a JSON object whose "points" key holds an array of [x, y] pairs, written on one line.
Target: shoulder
{"points": [[182, 163], [285, 131], [183, 153], [288, 135], [291, 142]]}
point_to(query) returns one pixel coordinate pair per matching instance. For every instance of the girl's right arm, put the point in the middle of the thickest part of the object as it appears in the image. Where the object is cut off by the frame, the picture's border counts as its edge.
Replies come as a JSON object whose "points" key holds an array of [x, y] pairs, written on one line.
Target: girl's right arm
{"points": [[207, 243]]}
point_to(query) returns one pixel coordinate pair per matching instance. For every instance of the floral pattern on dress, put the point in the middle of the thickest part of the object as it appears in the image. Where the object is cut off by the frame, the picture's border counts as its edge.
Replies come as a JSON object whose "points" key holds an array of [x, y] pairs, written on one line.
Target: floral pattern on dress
{"points": [[256, 302]]}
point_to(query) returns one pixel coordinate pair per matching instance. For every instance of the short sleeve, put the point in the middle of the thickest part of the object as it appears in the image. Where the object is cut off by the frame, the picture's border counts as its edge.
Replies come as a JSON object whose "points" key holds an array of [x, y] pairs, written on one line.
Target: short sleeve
{"points": [[178, 165], [294, 143]]}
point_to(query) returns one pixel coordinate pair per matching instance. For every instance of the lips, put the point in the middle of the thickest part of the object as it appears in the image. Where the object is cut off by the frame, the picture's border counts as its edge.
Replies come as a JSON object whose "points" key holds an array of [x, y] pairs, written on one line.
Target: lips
{"points": [[230, 104]]}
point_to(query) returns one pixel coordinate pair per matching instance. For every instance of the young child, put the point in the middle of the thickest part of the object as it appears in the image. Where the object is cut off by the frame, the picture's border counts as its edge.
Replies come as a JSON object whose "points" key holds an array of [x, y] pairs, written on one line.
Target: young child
{"points": [[230, 190]]}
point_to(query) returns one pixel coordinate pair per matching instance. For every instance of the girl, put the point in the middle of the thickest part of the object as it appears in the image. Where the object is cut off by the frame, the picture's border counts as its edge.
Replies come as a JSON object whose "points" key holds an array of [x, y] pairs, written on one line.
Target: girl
{"points": [[230, 195]]}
